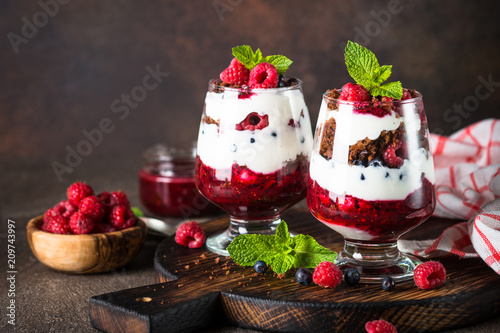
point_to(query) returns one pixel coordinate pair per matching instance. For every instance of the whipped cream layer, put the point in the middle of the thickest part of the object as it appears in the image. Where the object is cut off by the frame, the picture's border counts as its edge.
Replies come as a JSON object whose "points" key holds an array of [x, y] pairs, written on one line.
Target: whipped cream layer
{"points": [[374, 182], [264, 151]]}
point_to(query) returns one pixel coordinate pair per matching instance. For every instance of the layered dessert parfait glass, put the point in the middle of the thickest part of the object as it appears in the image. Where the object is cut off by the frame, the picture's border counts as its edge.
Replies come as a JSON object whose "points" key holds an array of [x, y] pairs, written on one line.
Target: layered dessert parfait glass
{"points": [[253, 153], [372, 177]]}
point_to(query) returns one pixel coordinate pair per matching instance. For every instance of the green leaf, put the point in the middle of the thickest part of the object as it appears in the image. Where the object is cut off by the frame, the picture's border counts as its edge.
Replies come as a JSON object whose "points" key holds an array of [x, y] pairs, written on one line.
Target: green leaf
{"points": [[280, 62], [281, 262], [245, 55], [282, 234], [137, 211], [363, 66], [391, 89], [309, 253], [257, 58], [246, 249]]}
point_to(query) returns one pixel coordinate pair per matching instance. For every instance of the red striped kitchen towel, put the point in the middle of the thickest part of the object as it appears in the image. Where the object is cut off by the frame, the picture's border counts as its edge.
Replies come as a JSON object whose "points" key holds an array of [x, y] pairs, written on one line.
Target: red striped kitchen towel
{"points": [[467, 188]]}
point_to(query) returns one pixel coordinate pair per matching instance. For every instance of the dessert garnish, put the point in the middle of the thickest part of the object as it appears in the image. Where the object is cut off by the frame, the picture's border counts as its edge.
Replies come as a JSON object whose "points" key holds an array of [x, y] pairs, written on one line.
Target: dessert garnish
{"points": [[429, 275], [379, 326], [363, 66], [281, 251], [249, 68], [327, 275], [190, 235]]}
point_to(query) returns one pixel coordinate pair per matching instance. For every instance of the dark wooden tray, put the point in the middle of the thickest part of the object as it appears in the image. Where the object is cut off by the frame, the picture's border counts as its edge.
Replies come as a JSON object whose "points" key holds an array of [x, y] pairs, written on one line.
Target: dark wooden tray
{"points": [[197, 289]]}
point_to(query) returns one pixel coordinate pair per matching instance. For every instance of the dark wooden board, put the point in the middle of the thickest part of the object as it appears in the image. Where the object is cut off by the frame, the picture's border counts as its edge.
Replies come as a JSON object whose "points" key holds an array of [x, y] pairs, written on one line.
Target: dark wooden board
{"points": [[195, 290]]}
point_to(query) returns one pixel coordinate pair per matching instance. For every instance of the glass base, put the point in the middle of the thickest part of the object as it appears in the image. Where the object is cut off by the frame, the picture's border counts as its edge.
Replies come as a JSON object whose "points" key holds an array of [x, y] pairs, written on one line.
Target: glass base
{"points": [[375, 261], [219, 243]]}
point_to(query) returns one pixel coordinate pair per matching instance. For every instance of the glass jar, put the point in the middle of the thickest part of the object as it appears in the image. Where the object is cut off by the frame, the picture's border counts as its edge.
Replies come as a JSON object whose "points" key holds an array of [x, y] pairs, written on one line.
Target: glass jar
{"points": [[166, 183]]}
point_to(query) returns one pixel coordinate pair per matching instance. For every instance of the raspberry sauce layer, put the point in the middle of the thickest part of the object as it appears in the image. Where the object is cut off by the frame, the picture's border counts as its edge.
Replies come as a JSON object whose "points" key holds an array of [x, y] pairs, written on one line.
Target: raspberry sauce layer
{"points": [[251, 195], [371, 220]]}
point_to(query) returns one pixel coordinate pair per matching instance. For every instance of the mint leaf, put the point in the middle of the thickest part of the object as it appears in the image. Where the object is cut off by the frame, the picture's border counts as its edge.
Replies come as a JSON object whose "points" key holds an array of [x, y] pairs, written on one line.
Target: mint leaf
{"points": [[257, 58], [363, 66], [309, 253], [245, 55], [280, 62], [280, 251], [137, 211], [391, 89]]}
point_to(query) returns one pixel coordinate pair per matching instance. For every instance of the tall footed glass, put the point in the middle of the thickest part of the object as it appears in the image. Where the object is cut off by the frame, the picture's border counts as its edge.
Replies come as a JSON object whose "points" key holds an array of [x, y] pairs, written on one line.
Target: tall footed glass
{"points": [[253, 156], [371, 180]]}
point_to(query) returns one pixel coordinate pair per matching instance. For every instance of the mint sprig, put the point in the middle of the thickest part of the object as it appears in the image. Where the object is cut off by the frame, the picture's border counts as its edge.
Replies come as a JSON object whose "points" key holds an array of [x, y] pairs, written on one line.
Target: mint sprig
{"points": [[250, 59], [363, 66], [280, 251]]}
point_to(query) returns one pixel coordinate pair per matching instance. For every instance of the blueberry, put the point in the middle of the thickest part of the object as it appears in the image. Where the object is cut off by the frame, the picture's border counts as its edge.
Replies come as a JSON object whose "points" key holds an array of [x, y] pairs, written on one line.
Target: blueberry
{"points": [[401, 177], [388, 283], [302, 140], [363, 177], [303, 276], [387, 175], [351, 277], [260, 266], [274, 134], [252, 140]]}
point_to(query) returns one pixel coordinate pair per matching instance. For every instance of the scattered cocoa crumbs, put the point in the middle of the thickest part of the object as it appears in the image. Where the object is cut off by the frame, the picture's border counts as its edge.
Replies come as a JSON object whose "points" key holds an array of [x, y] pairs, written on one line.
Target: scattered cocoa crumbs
{"points": [[211, 277], [281, 276], [255, 274], [217, 260], [180, 285], [186, 267], [196, 262], [331, 96], [227, 272], [203, 255]]}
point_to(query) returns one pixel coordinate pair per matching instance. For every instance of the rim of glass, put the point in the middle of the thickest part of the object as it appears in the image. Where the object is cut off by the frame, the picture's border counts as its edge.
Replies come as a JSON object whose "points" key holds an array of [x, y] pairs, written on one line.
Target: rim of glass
{"points": [[212, 85], [161, 152], [397, 101]]}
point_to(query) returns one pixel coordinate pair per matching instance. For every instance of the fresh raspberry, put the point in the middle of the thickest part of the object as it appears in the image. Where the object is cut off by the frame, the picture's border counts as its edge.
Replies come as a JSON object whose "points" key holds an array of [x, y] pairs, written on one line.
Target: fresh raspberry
{"points": [[390, 157], [92, 207], [406, 94], [252, 122], [190, 234], [57, 225], [77, 191], [429, 275], [106, 202], [121, 217], [380, 326], [354, 92], [236, 73], [101, 228], [327, 275], [65, 208], [119, 198], [81, 223], [263, 76], [49, 213]]}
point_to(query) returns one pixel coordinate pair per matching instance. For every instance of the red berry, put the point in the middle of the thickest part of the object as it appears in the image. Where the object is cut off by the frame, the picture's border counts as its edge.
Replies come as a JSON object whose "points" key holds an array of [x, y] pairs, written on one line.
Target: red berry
{"points": [[106, 202], [57, 225], [51, 212], [77, 191], [390, 157], [252, 122], [92, 207], [327, 275], [354, 92], [429, 275], [190, 234], [380, 326], [121, 217], [406, 94], [101, 228], [119, 198], [81, 223], [65, 208], [236, 73], [264, 75]]}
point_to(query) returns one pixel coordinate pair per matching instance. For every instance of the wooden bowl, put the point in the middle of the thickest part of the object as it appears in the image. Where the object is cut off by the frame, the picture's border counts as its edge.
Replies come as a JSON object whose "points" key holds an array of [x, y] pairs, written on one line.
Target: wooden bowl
{"points": [[83, 254]]}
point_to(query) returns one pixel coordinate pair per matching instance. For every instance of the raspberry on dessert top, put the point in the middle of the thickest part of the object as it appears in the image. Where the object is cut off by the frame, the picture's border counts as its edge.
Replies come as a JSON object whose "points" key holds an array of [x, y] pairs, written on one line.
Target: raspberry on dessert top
{"points": [[251, 69]]}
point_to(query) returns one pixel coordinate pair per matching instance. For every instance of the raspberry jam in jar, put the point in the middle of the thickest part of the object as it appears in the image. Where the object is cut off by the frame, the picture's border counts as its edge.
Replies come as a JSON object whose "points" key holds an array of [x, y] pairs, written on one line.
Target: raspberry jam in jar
{"points": [[166, 183]]}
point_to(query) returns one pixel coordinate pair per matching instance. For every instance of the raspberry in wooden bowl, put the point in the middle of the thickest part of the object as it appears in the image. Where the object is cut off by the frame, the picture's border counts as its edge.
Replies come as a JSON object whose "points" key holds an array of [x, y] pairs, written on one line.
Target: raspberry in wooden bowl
{"points": [[85, 253]]}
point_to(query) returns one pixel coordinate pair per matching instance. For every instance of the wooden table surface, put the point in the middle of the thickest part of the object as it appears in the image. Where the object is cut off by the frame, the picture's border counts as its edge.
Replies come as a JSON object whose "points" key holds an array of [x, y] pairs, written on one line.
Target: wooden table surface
{"points": [[49, 301]]}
